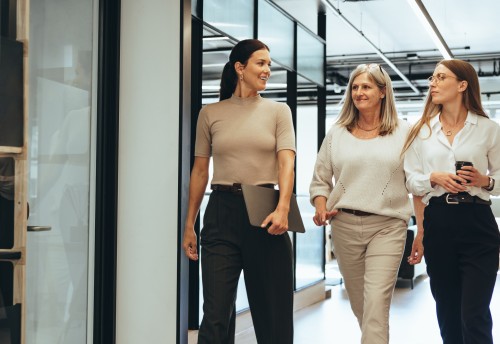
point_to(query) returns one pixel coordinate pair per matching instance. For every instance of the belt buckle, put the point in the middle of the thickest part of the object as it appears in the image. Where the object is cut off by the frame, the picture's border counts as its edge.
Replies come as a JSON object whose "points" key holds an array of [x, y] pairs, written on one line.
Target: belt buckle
{"points": [[236, 188], [449, 201]]}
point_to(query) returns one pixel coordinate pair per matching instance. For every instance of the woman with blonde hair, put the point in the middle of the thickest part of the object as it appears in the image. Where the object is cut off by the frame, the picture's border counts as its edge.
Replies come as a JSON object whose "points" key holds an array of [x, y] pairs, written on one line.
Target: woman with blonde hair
{"points": [[359, 184], [452, 203]]}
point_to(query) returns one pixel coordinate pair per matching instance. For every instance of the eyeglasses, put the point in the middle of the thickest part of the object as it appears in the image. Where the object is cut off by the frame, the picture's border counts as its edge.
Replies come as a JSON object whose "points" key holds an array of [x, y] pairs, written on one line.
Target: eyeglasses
{"points": [[371, 65], [375, 65], [439, 77]]}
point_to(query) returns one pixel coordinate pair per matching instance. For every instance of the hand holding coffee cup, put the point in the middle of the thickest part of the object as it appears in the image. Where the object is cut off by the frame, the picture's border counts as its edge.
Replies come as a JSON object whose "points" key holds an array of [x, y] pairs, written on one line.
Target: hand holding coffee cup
{"points": [[460, 164]]}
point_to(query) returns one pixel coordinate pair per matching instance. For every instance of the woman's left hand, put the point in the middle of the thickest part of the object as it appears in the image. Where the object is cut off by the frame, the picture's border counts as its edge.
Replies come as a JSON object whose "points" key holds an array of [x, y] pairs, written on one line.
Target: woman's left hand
{"points": [[474, 177], [277, 222]]}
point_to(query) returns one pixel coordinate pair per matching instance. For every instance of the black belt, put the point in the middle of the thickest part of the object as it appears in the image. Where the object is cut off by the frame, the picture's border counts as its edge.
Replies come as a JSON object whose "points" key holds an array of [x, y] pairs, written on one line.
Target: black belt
{"points": [[356, 212], [459, 198], [235, 188]]}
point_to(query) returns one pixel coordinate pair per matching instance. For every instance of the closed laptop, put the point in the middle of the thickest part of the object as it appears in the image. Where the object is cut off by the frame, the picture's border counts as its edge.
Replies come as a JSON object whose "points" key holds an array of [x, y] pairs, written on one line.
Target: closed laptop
{"points": [[261, 201]]}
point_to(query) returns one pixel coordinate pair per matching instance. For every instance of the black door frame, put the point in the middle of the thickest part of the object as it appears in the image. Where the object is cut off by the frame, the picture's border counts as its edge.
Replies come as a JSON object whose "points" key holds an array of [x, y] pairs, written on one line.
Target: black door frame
{"points": [[108, 90]]}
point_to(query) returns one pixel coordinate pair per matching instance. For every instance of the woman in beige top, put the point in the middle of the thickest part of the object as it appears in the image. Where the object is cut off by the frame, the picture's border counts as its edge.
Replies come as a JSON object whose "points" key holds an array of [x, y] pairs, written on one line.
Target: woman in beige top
{"points": [[252, 141], [368, 204]]}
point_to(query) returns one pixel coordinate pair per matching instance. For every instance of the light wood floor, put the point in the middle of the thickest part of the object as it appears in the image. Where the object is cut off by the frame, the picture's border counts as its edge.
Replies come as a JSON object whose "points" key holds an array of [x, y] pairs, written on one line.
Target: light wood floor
{"points": [[413, 319]]}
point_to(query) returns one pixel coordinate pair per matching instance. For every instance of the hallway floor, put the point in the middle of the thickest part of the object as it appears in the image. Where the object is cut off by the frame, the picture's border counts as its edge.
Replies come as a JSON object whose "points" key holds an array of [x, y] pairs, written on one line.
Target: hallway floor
{"points": [[413, 319]]}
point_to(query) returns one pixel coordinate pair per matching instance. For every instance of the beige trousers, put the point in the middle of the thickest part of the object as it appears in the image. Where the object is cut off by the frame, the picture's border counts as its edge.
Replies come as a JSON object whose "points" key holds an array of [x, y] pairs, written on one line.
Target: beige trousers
{"points": [[369, 251]]}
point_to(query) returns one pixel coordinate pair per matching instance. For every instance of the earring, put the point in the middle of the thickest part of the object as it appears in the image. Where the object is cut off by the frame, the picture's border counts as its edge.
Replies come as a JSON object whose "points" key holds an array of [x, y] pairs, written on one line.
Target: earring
{"points": [[241, 77]]}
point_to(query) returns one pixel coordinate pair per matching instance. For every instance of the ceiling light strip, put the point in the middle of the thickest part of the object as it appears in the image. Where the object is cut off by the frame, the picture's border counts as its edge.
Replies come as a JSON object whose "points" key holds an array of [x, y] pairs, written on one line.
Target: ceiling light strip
{"points": [[377, 50], [431, 28], [393, 66]]}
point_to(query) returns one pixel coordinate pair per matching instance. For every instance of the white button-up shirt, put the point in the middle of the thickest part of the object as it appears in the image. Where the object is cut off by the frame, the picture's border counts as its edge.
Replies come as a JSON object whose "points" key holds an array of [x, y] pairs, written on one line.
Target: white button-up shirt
{"points": [[477, 142]]}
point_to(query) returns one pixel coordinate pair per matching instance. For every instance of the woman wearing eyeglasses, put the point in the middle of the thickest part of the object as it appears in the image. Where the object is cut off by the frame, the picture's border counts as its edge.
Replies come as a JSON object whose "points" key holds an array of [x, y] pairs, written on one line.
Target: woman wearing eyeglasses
{"points": [[359, 184], [452, 205]]}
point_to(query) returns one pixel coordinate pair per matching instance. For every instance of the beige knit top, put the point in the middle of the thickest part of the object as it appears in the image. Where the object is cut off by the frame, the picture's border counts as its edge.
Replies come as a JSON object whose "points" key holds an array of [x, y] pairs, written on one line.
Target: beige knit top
{"points": [[365, 175], [243, 135]]}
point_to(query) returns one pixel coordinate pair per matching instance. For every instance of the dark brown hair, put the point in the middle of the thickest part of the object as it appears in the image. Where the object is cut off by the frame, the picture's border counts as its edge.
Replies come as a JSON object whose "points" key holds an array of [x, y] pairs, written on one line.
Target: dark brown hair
{"points": [[241, 52]]}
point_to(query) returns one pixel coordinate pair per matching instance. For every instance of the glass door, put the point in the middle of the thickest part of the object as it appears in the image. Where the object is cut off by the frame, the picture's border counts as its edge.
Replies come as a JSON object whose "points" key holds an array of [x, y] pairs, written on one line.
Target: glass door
{"points": [[60, 160]]}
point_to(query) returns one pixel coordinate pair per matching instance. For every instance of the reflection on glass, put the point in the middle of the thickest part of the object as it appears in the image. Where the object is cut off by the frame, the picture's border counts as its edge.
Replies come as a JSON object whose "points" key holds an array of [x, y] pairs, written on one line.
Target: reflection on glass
{"points": [[310, 52], [233, 17], [277, 31], [195, 8], [309, 265], [59, 163]]}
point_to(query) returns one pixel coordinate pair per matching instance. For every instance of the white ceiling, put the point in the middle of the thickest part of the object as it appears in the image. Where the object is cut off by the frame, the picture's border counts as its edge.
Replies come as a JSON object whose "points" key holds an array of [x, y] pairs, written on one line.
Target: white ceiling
{"points": [[394, 28], [470, 31]]}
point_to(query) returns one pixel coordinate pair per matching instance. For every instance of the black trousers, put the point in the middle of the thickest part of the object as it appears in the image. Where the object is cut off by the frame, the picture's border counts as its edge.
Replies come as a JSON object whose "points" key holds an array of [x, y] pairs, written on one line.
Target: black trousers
{"points": [[229, 244], [461, 249]]}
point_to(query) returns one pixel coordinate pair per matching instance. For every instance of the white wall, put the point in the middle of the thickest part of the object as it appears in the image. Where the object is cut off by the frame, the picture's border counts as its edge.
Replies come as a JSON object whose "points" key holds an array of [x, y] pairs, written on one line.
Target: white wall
{"points": [[148, 172]]}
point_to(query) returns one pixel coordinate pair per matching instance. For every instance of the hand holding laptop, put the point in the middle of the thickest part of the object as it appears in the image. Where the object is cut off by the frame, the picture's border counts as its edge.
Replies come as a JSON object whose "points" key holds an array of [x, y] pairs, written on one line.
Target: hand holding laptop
{"points": [[261, 206], [276, 222]]}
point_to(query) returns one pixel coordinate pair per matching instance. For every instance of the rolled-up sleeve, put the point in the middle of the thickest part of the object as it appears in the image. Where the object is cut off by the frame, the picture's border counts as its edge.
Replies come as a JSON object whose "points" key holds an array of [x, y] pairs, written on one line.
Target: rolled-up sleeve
{"points": [[494, 161], [322, 184], [417, 180]]}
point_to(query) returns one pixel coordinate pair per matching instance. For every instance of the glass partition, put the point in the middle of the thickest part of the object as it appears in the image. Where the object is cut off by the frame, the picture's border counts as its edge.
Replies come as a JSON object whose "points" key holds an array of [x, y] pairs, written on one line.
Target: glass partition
{"points": [[195, 8], [278, 32], [234, 17], [60, 159], [310, 56], [309, 245]]}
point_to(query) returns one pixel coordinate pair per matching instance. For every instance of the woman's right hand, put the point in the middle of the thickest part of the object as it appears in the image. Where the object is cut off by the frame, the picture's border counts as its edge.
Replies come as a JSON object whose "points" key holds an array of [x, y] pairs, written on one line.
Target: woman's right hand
{"points": [[322, 216], [417, 250], [449, 181], [189, 243]]}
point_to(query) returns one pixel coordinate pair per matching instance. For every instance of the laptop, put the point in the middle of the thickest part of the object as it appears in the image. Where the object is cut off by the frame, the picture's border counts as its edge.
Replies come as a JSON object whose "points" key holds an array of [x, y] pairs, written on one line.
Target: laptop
{"points": [[261, 201]]}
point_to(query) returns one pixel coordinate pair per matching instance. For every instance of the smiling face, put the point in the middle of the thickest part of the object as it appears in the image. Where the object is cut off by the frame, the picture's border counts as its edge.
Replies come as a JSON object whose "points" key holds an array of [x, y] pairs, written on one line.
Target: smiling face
{"points": [[366, 95], [445, 86], [255, 73]]}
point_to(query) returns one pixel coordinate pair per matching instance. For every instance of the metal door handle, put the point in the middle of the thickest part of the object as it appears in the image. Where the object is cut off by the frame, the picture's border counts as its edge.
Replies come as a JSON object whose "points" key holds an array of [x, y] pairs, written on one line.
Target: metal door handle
{"points": [[39, 228]]}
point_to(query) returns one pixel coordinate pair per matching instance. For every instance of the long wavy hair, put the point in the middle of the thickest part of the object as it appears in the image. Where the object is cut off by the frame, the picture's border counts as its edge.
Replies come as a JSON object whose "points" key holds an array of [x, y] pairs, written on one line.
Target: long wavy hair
{"points": [[241, 52], [471, 98], [349, 114]]}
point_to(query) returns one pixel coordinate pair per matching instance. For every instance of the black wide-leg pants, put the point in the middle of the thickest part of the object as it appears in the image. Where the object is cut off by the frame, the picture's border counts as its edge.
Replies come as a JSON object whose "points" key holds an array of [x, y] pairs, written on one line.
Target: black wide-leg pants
{"points": [[461, 249], [230, 244]]}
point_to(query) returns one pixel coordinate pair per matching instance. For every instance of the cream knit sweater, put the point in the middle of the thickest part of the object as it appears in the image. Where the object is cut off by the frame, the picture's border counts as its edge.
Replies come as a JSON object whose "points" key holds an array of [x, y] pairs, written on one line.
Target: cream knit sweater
{"points": [[365, 175]]}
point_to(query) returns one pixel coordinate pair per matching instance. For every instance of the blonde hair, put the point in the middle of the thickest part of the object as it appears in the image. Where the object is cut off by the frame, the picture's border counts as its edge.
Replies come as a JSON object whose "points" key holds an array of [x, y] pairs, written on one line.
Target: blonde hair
{"points": [[471, 98], [349, 114]]}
